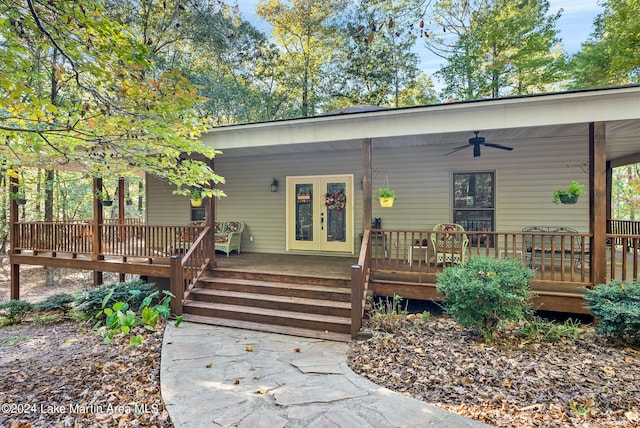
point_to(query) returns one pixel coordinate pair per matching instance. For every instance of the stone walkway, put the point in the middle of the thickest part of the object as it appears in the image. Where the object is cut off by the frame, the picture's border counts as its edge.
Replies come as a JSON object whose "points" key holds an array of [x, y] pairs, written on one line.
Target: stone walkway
{"points": [[224, 377]]}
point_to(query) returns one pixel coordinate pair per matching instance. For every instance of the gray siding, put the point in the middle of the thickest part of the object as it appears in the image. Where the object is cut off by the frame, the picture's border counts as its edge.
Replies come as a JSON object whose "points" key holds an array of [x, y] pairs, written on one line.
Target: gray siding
{"points": [[421, 176], [163, 207]]}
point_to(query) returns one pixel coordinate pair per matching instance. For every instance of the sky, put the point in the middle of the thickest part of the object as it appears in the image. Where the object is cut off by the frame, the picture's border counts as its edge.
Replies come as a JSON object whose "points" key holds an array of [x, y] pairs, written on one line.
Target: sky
{"points": [[575, 25]]}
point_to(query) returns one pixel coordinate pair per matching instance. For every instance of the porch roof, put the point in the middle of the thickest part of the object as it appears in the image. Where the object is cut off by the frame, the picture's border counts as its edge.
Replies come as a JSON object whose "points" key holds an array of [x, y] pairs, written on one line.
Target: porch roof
{"points": [[515, 120]]}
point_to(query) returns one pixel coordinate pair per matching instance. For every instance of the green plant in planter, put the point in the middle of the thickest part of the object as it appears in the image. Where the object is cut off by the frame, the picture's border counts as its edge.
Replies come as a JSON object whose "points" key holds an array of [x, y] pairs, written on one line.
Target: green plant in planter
{"points": [[386, 197], [105, 198], [19, 198], [570, 194], [386, 193], [196, 196]]}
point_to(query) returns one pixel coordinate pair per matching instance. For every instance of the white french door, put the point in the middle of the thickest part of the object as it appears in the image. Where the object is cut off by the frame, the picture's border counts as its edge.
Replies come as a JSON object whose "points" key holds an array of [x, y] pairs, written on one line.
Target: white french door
{"points": [[320, 213]]}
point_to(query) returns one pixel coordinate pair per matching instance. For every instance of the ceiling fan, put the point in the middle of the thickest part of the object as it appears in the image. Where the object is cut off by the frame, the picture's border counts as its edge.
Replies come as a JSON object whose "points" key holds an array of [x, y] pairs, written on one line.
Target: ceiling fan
{"points": [[476, 142]]}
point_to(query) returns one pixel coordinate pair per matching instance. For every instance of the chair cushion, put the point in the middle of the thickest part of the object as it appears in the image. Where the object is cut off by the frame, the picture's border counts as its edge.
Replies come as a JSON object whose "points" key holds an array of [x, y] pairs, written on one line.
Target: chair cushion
{"points": [[223, 238], [232, 226]]}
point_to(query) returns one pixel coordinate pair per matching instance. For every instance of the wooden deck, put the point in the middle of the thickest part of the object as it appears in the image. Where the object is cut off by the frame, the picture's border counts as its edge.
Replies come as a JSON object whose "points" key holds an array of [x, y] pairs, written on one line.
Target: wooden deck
{"points": [[552, 296]]}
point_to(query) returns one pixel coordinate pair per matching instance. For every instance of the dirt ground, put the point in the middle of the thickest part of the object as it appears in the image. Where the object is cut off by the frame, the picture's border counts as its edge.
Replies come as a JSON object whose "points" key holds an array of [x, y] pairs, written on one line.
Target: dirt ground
{"points": [[33, 281]]}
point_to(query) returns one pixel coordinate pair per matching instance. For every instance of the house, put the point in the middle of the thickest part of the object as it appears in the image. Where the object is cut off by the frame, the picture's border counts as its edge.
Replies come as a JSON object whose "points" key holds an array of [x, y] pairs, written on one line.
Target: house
{"points": [[305, 186]]}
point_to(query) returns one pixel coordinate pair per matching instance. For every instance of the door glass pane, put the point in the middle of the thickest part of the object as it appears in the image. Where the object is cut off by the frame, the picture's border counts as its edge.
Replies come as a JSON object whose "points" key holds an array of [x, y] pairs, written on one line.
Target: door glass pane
{"points": [[304, 212], [336, 203], [474, 204], [473, 190]]}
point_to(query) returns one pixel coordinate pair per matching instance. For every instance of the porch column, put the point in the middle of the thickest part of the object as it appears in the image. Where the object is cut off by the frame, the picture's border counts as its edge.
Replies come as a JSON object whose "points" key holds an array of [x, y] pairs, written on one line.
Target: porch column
{"points": [[98, 219], [210, 219], [366, 183], [598, 201], [121, 218], [13, 239]]}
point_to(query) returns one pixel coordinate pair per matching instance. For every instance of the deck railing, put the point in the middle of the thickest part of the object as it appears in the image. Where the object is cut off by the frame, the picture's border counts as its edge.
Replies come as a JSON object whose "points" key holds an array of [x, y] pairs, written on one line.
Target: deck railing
{"points": [[359, 283], [562, 257], [623, 256], [125, 240], [185, 271]]}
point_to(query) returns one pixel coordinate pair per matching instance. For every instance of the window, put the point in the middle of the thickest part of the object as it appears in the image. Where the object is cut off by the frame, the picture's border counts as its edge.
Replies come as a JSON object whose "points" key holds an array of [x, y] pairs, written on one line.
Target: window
{"points": [[198, 213], [474, 203]]}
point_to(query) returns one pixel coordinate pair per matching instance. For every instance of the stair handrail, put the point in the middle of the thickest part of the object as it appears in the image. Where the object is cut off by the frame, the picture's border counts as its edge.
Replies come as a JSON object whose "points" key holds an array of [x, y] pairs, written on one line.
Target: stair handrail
{"points": [[360, 283], [187, 270]]}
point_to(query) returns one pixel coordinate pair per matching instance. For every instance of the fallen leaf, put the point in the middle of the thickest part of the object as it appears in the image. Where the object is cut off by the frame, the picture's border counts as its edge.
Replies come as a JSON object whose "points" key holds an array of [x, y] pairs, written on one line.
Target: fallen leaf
{"points": [[248, 348]]}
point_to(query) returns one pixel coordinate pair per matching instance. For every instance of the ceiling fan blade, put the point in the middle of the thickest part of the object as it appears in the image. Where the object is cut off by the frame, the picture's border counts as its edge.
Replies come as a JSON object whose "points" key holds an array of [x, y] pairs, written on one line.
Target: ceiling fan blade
{"points": [[476, 150], [498, 146], [456, 149]]}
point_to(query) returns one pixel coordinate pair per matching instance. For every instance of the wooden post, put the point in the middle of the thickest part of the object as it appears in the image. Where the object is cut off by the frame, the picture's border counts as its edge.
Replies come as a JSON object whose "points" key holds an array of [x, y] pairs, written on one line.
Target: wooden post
{"points": [[176, 285], [356, 300], [13, 239], [366, 183], [98, 219], [598, 203], [210, 219], [121, 217]]}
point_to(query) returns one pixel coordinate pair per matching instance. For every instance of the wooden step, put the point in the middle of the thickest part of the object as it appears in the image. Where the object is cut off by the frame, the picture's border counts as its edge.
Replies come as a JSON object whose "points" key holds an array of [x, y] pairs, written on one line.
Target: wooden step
{"points": [[288, 278], [269, 316], [271, 328], [311, 291], [270, 301]]}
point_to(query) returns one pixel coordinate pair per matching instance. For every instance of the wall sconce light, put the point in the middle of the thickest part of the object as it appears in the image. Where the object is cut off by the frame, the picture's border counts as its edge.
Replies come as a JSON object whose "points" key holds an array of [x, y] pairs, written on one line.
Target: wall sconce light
{"points": [[274, 185]]}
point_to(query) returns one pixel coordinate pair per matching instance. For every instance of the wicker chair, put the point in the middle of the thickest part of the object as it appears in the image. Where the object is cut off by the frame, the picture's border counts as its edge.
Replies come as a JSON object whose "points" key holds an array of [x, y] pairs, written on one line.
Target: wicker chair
{"points": [[449, 247], [228, 236]]}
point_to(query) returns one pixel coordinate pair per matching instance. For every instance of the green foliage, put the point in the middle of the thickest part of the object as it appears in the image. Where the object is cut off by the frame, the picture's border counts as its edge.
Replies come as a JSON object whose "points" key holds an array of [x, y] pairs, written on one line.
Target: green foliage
{"points": [[58, 302], [133, 293], [616, 307], [387, 314], [497, 48], [121, 319], [536, 329], [575, 189], [484, 293], [610, 56], [15, 310], [68, 85], [385, 192]]}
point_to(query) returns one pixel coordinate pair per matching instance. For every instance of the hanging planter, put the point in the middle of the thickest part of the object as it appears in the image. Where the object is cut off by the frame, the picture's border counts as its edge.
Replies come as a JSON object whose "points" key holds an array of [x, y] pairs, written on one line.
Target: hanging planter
{"points": [[568, 199], [569, 195], [107, 202], [19, 198], [196, 197], [386, 197]]}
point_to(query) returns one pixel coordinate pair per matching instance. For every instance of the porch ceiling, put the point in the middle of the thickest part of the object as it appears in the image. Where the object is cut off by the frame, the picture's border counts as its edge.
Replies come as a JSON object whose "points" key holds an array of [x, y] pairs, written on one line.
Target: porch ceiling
{"points": [[511, 121]]}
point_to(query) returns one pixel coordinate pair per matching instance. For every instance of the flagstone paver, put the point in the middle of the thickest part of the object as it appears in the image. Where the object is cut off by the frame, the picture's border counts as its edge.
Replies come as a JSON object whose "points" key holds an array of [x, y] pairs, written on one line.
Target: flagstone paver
{"points": [[225, 377]]}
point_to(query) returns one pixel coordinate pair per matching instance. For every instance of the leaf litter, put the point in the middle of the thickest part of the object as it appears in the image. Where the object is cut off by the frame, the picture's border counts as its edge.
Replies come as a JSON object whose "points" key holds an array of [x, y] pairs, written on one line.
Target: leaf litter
{"points": [[62, 375], [588, 382]]}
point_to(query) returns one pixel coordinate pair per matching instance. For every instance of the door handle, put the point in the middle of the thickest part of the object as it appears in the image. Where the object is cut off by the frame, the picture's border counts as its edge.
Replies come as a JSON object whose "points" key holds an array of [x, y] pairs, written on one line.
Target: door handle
{"points": [[321, 221]]}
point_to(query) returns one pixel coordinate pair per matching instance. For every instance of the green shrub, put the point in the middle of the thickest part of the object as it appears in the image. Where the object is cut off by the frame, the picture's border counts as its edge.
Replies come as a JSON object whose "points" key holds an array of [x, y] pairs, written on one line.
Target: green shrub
{"points": [[58, 302], [133, 293], [484, 293], [616, 307], [15, 310]]}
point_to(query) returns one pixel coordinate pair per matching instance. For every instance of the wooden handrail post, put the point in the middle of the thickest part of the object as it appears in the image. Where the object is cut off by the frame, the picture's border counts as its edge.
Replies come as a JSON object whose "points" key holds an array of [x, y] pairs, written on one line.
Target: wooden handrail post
{"points": [[176, 284], [13, 239], [97, 230], [356, 300]]}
